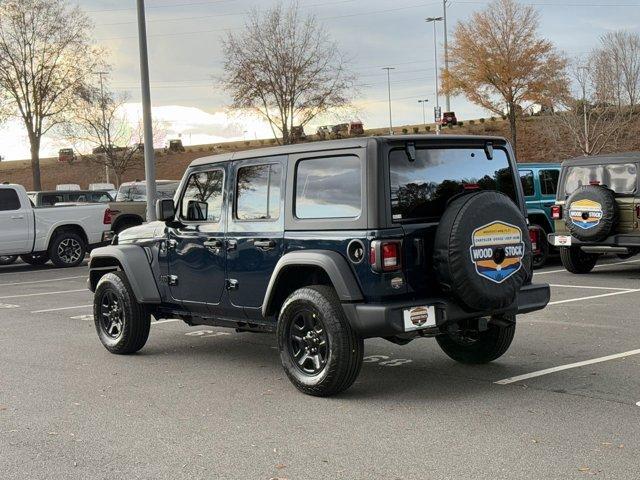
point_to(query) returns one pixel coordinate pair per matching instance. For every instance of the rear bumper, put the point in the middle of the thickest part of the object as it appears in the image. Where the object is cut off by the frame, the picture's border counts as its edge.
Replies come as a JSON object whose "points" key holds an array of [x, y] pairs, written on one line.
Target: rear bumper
{"points": [[619, 240], [386, 320]]}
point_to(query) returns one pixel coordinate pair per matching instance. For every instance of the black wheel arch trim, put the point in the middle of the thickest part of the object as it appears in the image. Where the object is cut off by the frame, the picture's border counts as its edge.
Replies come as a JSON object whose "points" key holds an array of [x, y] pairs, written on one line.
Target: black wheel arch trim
{"points": [[335, 265], [131, 259]]}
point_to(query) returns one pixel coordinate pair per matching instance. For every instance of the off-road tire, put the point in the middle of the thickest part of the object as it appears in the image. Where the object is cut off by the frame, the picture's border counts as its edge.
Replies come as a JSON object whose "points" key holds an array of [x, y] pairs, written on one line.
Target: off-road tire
{"points": [[76, 246], [490, 344], [577, 261], [345, 348], [35, 258], [136, 320], [7, 259]]}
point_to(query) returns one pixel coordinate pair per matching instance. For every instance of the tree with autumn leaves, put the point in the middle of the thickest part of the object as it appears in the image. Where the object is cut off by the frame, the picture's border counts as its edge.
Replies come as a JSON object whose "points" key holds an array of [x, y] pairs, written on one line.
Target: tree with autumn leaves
{"points": [[497, 60]]}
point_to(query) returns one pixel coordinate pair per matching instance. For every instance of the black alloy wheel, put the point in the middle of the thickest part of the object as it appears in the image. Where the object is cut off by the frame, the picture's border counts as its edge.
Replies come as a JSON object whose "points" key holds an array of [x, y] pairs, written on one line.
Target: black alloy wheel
{"points": [[308, 341], [111, 314]]}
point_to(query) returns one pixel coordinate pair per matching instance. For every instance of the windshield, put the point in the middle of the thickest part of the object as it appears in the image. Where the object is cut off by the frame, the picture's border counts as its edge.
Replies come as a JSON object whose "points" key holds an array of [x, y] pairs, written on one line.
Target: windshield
{"points": [[138, 192], [421, 189], [619, 177]]}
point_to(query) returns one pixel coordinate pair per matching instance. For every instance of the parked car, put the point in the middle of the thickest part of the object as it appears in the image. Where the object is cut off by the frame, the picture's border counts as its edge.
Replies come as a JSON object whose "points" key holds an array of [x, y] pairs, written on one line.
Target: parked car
{"points": [[449, 118], [57, 197], [130, 206], [328, 243], [597, 209], [109, 187], [61, 234], [324, 132], [176, 146], [297, 134], [356, 128], [67, 186], [340, 130], [539, 184], [66, 155]]}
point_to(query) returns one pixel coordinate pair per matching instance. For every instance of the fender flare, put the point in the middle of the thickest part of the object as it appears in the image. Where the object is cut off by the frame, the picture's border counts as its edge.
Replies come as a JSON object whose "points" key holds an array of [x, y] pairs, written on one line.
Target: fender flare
{"points": [[133, 260], [335, 266], [535, 213]]}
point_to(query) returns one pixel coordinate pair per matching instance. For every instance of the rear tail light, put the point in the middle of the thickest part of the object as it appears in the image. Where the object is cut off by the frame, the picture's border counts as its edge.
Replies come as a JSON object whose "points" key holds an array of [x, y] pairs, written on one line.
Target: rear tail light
{"points": [[534, 233], [556, 212], [108, 214], [594, 182], [385, 256]]}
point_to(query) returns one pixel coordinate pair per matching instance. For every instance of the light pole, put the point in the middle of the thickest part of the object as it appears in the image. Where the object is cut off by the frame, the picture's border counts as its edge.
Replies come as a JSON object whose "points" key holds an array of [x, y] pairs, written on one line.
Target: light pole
{"points": [[149, 160], [583, 81], [424, 115], [446, 50], [103, 107], [435, 59], [388, 69]]}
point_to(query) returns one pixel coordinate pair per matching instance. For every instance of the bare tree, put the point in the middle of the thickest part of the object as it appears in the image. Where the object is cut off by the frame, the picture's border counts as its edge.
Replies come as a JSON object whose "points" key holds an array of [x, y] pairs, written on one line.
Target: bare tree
{"points": [[591, 117], [99, 125], [285, 68], [498, 61], [45, 57], [617, 66]]}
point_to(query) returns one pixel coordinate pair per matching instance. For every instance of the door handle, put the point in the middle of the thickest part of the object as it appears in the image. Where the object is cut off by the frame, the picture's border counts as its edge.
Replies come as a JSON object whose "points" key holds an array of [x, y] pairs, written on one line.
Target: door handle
{"points": [[213, 244], [232, 245], [265, 244], [17, 217]]}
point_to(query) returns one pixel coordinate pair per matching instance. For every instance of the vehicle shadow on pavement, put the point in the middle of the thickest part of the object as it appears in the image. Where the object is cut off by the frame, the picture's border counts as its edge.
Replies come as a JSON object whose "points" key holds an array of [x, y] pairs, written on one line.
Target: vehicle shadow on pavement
{"points": [[26, 268]]}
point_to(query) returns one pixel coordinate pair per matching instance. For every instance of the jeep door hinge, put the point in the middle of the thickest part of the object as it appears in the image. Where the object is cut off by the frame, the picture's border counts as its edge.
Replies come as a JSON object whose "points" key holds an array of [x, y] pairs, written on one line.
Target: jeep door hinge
{"points": [[172, 244], [232, 284], [170, 280]]}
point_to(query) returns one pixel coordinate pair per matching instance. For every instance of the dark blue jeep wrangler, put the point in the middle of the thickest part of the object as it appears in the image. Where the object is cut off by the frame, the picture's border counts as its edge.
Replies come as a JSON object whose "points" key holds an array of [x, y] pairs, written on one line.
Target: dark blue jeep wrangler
{"points": [[327, 244]]}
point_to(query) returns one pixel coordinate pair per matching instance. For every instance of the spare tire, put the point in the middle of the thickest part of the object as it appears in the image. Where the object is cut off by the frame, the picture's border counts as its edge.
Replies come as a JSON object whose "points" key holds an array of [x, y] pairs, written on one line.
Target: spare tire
{"points": [[482, 250], [591, 213]]}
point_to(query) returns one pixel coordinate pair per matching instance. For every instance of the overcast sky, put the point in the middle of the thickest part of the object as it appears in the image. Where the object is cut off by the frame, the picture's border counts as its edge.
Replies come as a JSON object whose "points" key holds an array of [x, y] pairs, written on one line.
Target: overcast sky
{"points": [[184, 48]]}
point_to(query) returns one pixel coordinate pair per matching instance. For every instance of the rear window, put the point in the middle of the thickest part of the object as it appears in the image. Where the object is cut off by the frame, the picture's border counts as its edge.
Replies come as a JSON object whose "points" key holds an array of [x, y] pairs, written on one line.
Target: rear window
{"points": [[526, 178], [421, 189], [619, 177]]}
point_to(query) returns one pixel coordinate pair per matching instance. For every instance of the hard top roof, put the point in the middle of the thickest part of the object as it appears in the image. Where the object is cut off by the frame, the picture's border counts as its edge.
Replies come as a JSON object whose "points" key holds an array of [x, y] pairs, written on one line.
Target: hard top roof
{"points": [[357, 142]]}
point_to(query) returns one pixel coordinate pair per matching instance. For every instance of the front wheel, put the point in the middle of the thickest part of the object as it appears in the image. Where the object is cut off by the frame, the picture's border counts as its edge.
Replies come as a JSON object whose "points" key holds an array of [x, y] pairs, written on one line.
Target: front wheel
{"points": [[121, 322], [472, 346], [67, 250], [7, 259], [320, 353], [577, 261]]}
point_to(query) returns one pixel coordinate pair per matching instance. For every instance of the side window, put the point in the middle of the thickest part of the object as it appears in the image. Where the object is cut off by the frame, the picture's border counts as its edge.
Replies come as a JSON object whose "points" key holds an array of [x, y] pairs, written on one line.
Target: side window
{"points": [[329, 187], [52, 199], [549, 181], [9, 200], [203, 187], [526, 177], [258, 192]]}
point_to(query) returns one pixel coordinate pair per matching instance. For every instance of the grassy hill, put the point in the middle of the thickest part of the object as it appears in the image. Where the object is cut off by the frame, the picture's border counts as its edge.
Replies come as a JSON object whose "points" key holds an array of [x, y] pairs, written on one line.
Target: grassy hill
{"points": [[535, 145]]}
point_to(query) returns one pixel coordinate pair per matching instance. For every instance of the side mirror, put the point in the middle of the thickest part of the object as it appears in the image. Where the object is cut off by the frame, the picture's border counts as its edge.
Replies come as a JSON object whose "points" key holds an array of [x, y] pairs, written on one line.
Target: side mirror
{"points": [[165, 210], [197, 211]]}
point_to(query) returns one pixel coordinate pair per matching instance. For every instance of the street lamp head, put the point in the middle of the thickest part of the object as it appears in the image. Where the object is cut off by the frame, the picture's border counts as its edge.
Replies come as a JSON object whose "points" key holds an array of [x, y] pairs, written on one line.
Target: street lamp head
{"points": [[434, 19]]}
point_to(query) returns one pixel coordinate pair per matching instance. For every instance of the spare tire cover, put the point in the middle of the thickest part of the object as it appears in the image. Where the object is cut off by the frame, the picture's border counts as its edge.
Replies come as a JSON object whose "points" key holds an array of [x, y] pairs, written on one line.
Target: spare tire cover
{"points": [[482, 250], [591, 212]]}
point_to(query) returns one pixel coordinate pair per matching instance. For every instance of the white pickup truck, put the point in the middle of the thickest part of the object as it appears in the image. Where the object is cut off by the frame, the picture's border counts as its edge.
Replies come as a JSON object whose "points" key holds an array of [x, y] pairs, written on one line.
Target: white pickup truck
{"points": [[61, 234]]}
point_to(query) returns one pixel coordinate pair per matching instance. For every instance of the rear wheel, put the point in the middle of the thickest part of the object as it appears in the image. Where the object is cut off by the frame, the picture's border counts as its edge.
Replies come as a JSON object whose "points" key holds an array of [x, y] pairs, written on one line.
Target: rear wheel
{"points": [[121, 322], [472, 346], [35, 258], [577, 261], [320, 353], [67, 250], [7, 259]]}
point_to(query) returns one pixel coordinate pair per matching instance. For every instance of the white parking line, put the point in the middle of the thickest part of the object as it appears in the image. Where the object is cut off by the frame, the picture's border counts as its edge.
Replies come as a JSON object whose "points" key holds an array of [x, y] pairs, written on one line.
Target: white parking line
{"points": [[588, 287], [547, 371], [568, 324], [558, 302], [62, 308], [42, 281], [44, 293], [597, 266]]}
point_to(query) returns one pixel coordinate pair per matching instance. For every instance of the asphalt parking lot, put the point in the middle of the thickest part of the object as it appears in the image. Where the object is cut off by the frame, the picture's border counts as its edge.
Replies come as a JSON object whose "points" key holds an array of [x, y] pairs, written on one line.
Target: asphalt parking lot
{"points": [[564, 402]]}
